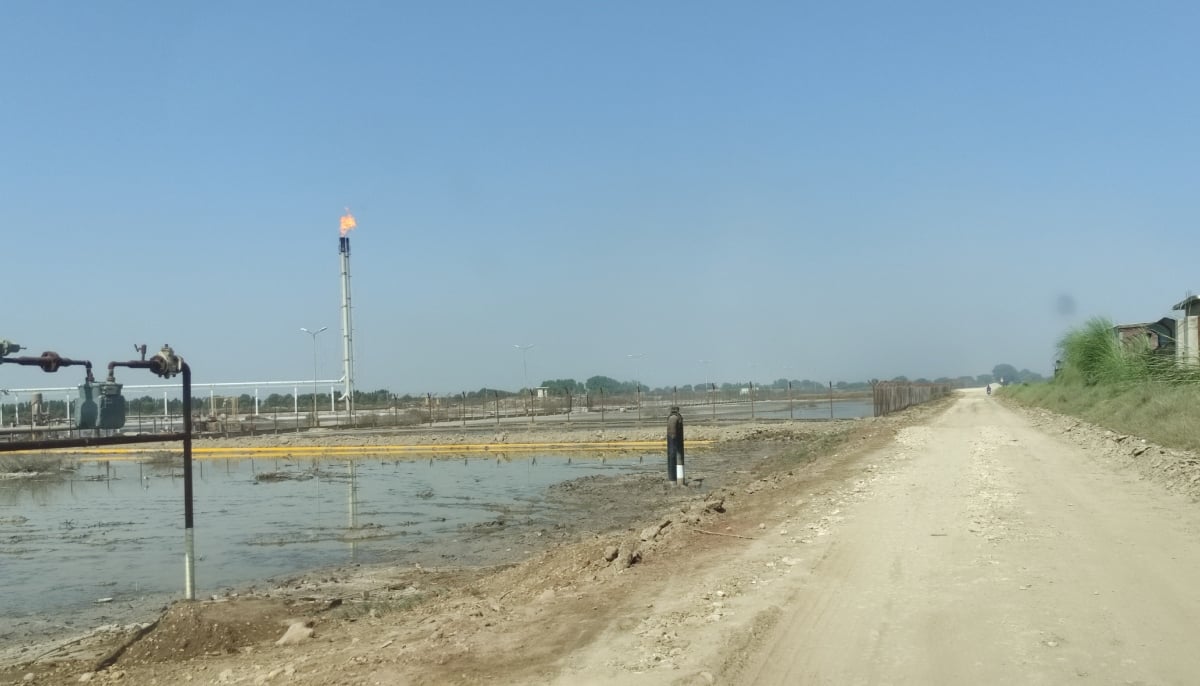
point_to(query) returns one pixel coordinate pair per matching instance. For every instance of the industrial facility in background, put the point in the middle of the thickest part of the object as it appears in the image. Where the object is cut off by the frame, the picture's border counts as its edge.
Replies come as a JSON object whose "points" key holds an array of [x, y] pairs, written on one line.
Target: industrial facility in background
{"points": [[347, 224], [102, 414]]}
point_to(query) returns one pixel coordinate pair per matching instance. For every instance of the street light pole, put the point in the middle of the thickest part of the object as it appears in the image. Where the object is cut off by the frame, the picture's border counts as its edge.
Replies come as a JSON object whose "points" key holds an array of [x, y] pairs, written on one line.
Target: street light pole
{"points": [[316, 414], [709, 389], [524, 364], [638, 381]]}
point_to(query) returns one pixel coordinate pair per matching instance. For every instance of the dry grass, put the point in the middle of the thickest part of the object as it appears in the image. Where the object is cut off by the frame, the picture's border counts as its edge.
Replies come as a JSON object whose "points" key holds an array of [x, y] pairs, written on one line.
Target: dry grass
{"points": [[1166, 413]]}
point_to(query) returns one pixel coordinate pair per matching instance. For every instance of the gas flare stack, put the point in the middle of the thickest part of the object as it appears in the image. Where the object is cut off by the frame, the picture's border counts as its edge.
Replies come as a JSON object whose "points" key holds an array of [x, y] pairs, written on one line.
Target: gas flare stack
{"points": [[347, 224]]}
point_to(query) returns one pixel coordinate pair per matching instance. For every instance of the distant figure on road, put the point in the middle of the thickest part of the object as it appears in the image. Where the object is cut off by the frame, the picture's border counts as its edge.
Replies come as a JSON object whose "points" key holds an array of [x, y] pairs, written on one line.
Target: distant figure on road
{"points": [[675, 446], [989, 389]]}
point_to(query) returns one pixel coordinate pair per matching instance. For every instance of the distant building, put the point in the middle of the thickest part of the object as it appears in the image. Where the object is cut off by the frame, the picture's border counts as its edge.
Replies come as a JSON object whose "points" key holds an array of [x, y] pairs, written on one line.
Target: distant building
{"points": [[1159, 336], [1187, 331]]}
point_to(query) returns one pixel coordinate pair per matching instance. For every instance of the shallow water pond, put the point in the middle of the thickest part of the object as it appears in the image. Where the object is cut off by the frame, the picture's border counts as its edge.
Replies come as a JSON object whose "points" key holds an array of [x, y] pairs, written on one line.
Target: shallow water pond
{"points": [[114, 530]]}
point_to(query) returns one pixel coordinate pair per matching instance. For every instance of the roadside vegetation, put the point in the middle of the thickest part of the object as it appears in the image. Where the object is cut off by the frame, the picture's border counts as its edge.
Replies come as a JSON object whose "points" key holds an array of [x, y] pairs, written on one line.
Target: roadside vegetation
{"points": [[1121, 386]]}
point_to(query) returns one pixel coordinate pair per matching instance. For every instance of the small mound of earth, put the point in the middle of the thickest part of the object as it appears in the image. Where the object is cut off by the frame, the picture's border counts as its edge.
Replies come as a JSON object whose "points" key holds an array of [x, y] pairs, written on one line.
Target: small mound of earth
{"points": [[192, 629]]}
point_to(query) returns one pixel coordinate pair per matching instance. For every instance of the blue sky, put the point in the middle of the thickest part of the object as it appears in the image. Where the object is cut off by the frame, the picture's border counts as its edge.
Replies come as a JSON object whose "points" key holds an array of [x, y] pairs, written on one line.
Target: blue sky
{"points": [[834, 191]]}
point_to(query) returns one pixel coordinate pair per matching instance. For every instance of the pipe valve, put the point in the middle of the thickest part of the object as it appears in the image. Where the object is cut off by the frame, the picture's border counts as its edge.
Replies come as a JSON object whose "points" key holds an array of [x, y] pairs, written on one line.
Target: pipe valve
{"points": [[166, 363], [7, 347]]}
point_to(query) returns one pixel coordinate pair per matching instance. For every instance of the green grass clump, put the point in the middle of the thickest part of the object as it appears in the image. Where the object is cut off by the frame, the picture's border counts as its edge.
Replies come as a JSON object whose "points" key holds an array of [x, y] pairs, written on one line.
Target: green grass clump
{"points": [[1122, 386]]}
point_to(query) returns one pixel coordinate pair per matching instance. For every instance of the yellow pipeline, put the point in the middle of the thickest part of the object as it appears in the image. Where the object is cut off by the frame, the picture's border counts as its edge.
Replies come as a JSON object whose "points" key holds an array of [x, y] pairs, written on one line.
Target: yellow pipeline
{"points": [[352, 450]]}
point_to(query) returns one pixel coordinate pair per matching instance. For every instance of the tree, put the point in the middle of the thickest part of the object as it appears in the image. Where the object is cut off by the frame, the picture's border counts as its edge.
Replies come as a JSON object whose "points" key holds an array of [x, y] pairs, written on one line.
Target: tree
{"points": [[1027, 376], [598, 383], [1005, 374], [563, 385], [488, 393], [275, 401]]}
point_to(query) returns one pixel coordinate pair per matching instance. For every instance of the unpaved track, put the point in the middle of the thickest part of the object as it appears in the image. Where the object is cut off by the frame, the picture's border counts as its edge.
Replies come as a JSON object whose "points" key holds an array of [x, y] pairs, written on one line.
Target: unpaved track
{"points": [[939, 546], [990, 553]]}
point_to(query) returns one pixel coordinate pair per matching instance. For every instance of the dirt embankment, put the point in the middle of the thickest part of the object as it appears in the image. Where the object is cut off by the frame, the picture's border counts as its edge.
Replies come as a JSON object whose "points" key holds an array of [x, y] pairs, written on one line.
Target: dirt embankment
{"points": [[511, 622]]}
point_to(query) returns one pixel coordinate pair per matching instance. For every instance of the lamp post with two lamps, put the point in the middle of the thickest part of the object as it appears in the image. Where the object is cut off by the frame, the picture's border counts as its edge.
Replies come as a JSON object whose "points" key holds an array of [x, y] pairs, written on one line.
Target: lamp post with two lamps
{"points": [[525, 366], [710, 389], [637, 381], [316, 414]]}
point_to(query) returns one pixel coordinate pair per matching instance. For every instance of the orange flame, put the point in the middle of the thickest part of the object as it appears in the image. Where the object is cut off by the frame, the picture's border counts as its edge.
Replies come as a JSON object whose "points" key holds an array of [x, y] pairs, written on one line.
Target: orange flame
{"points": [[348, 222]]}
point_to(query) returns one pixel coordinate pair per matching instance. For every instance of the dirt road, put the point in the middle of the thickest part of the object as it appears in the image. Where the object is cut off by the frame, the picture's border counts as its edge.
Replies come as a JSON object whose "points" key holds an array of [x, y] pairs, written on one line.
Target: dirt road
{"points": [[959, 543], [990, 553]]}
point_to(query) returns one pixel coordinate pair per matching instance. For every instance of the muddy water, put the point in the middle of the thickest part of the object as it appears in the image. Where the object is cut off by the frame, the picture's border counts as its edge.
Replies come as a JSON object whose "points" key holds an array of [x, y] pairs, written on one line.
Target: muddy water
{"points": [[112, 533]]}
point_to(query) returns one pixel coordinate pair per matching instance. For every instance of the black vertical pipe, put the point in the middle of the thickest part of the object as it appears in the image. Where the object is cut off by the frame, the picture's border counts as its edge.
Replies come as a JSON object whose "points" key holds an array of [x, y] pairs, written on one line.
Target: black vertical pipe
{"points": [[187, 446]]}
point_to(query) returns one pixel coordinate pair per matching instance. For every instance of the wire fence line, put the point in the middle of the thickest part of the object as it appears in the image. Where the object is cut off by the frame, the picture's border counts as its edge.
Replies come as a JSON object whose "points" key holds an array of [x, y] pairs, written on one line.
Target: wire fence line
{"points": [[549, 404], [231, 415], [892, 397]]}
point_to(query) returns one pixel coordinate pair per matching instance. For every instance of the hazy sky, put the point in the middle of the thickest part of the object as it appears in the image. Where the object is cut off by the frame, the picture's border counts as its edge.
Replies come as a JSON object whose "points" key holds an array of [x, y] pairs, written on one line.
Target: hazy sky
{"points": [[833, 191]]}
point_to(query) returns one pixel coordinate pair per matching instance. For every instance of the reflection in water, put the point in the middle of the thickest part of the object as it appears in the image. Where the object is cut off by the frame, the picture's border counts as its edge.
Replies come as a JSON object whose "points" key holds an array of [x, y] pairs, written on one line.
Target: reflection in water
{"points": [[352, 498], [33, 489], [115, 529]]}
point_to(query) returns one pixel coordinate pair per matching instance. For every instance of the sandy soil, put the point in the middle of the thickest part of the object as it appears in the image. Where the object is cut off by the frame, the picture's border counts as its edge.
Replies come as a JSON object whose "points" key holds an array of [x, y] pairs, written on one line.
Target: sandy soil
{"points": [[962, 542]]}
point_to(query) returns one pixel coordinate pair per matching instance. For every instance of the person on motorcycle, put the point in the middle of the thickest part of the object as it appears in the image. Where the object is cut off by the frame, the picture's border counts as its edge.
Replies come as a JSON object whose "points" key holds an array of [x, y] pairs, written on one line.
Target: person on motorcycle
{"points": [[989, 389]]}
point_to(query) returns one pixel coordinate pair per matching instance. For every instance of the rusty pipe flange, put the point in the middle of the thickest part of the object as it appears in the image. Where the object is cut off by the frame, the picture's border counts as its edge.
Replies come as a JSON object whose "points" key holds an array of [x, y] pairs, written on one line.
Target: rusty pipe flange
{"points": [[166, 363], [50, 361]]}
